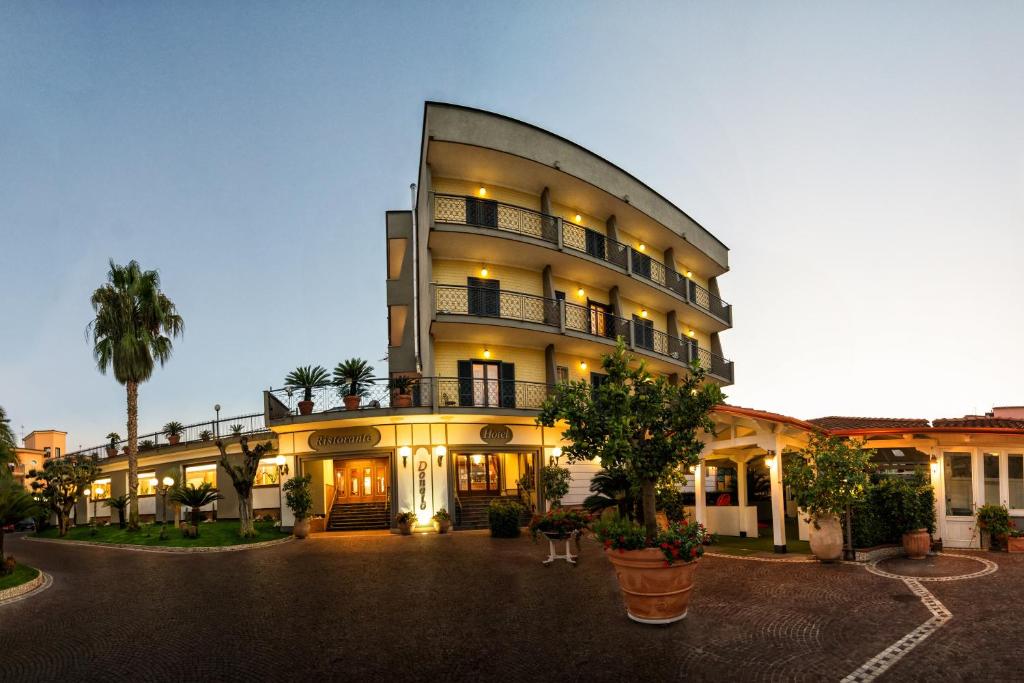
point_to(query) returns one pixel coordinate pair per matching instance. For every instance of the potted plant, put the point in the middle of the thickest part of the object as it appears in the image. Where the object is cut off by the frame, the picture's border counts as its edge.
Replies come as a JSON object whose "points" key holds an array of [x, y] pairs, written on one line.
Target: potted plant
{"points": [[827, 478], [442, 521], [195, 498], [405, 521], [236, 430], [1015, 539], [173, 431], [994, 520], [646, 427], [554, 482], [300, 500], [205, 435], [401, 390], [560, 523], [910, 505], [112, 439], [352, 377], [307, 378], [146, 445], [503, 517]]}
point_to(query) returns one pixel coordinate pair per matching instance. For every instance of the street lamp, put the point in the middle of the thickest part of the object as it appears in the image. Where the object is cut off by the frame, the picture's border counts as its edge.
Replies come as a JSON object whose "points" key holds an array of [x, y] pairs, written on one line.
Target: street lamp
{"points": [[88, 492], [216, 425], [282, 469], [161, 489]]}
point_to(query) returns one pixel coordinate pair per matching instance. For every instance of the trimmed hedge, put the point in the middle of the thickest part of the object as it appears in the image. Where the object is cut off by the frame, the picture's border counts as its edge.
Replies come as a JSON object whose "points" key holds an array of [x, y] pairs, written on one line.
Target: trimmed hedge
{"points": [[891, 506], [503, 517]]}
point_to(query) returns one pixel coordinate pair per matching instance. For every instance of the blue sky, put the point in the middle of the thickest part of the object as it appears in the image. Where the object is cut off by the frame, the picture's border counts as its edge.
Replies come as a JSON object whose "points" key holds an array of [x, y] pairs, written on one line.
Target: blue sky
{"points": [[864, 164]]}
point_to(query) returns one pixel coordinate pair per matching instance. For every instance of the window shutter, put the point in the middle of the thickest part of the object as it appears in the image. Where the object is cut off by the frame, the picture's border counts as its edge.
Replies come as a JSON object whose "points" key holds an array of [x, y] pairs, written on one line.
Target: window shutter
{"points": [[482, 212], [465, 383], [508, 385]]}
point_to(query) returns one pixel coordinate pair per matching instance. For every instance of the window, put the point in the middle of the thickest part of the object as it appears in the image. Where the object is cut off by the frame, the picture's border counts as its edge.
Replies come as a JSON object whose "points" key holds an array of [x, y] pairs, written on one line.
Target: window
{"points": [[1016, 471], [487, 384], [602, 322], [561, 374], [101, 489], [597, 378], [146, 487], [959, 495], [46, 452], [641, 264], [643, 333], [483, 297], [596, 244], [482, 212], [266, 473], [991, 478], [58, 451], [197, 474]]}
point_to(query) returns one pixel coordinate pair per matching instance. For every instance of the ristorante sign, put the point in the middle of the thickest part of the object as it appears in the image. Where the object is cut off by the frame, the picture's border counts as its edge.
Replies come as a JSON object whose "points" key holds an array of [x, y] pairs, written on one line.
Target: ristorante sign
{"points": [[344, 439]]}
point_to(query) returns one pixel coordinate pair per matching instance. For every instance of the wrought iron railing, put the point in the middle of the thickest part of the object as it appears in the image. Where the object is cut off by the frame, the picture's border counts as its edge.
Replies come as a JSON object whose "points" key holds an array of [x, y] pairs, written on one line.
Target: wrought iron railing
{"points": [[495, 303], [242, 425], [598, 245], [487, 213], [377, 394]]}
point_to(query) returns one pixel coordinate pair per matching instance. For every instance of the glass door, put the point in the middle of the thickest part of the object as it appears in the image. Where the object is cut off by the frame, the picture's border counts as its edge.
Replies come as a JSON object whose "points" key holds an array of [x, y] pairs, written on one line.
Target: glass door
{"points": [[486, 378], [478, 473], [959, 485]]}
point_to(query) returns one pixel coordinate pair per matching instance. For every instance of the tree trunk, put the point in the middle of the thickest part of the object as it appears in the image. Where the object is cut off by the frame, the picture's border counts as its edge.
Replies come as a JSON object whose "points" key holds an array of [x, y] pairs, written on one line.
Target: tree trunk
{"points": [[62, 526], [650, 508], [850, 554], [133, 455], [245, 524]]}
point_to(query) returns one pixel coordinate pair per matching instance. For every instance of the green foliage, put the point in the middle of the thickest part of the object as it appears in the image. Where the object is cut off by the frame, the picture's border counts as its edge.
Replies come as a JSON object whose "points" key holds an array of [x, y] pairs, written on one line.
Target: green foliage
{"points": [[503, 518], [173, 428], [15, 505], [353, 376], [59, 483], [402, 384], [562, 522], [7, 444], [679, 543], [119, 503], [634, 422], [307, 378], [995, 519], [205, 435], [298, 496], [236, 429], [112, 439], [194, 497], [890, 507], [146, 445], [442, 515], [555, 483], [407, 517], [611, 487], [828, 475]]}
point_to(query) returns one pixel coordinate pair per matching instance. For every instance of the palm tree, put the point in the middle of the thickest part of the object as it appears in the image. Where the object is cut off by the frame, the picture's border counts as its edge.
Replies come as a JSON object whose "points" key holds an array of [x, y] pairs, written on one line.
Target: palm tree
{"points": [[194, 497], [612, 489], [307, 378], [7, 444], [15, 505], [119, 503], [353, 376], [132, 330]]}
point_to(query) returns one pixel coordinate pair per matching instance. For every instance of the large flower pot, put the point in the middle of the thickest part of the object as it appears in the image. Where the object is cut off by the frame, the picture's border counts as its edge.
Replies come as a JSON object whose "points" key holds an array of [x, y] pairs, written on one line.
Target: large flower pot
{"points": [[402, 401], [111, 451], [405, 528], [305, 407], [442, 525], [826, 536], [352, 402], [917, 543], [654, 593], [1015, 544], [174, 439], [301, 528]]}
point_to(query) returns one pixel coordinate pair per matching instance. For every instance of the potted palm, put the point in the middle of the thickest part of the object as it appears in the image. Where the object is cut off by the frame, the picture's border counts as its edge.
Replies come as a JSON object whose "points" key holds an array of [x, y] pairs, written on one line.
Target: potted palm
{"points": [[442, 521], [195, 498], [405, 521], [307, 378], [112, 439], [205, 435], [644, 426], [401, 390], [827, 478], [173, 431], [236, 429], [300, 500], [352, 377]]}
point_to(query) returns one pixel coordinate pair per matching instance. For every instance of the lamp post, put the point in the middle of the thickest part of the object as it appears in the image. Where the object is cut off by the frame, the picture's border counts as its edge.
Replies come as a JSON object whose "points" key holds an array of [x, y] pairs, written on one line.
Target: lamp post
{"points": [[88, 492], [161, 489], [216, 425]]}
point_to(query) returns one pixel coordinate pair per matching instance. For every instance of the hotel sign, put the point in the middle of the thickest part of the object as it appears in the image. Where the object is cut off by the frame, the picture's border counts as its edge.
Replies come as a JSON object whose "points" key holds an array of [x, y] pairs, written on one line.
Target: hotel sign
{"points": [[496, 434], [344, 439]]}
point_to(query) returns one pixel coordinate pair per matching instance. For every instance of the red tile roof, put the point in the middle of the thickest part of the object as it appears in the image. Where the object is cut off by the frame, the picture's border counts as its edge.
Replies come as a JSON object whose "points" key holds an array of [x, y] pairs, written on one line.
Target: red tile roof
{"points": [[842, 422], [979, 421]]}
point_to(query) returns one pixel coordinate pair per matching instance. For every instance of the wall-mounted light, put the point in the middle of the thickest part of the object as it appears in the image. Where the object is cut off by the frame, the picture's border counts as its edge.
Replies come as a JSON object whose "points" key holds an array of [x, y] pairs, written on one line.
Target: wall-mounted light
{"points": [[282, 465], [691, 334], [483, 272], [482, 191], [581, 292], [642, 247], [583, 365], [556, 453], [440, 452], [769, 459], [578, 218], [643, 313], [691, 469], [405, 452], [487, 353], [689, 273]]}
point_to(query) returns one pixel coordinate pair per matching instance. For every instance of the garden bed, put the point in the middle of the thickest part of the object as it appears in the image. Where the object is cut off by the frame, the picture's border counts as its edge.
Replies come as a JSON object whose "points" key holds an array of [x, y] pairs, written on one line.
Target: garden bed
{"points": [[217, 534], [22, 574]]}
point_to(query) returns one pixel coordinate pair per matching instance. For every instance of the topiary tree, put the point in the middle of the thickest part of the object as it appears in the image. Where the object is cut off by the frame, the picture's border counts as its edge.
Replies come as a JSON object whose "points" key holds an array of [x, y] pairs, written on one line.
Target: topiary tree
{"points": [[555, 483], [59, 485], [635, 422], [243, 478]]}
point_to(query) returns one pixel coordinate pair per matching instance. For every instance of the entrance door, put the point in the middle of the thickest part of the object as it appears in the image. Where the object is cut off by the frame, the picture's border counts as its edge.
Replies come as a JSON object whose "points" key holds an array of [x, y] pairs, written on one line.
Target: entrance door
{"points": [[958, 480], [478, 473], [361, 481]]}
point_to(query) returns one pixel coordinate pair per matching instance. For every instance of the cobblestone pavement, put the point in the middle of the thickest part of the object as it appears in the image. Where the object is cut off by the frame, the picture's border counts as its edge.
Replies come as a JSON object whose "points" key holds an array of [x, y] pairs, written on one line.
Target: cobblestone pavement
{"points": [[465, 606]]}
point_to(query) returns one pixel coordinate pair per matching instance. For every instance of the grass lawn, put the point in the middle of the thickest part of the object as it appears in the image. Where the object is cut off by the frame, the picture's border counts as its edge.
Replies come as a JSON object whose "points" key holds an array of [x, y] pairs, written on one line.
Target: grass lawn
{"points": [[734, 545], [219, 533], [21, 574]]}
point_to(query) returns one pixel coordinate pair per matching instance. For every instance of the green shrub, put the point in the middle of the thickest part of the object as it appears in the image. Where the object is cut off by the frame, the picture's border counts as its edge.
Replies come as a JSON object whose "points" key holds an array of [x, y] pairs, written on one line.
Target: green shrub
{"points": [[555, 482], [891, 507], [503, 517]]}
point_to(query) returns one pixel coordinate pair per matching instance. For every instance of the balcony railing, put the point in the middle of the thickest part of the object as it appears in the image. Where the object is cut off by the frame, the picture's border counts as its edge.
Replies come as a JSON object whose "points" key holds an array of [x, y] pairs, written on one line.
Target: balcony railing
{"points": [[242, 425], [562, 315], [487, 213]]}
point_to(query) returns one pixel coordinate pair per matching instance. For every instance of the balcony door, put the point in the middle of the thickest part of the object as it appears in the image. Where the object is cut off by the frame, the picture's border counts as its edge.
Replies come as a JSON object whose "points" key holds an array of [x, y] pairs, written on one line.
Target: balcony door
{"points": [[483, 297], [602, 321], [487, 384], [643, 333], [478, 473]]}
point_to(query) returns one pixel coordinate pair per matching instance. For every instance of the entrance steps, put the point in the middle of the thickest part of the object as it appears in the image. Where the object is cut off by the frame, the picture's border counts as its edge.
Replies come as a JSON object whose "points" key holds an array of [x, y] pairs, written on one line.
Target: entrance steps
{"points": [[358, 517], [471, 512]]}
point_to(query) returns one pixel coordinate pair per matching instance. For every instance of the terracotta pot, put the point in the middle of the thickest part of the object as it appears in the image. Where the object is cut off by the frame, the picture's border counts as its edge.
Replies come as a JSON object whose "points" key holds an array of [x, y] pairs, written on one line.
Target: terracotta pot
{"points": [[402, 401], [305, 407], [405, 528], [826, 536], [111, 451], [125, 450], [317, 525], [301, 528], [653, 592], [1015, 544], [441, 526], [174, 439], [352, 402], [916, 544]]}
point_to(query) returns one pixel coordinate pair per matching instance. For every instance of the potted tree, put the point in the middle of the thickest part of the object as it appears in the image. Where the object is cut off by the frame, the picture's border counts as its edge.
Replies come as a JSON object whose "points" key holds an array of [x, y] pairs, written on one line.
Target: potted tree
{"points": [[205, 435], [995, 521], [307, 378], [352, 377], [405, 521], [236, 429], [300, 501], [554, 481], [442, 521], [827, 477], [401, 390], [646, 427], [112, 439], [173, 431], [195, 498]]}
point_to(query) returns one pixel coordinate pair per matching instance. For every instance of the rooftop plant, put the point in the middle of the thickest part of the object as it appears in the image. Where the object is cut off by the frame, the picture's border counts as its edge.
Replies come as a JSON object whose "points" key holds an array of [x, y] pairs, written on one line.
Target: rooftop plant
{"points": [[236, 429], [113, 438], [402, 384], [307, 378], [173, 428], [205, 435], [353, 377]]}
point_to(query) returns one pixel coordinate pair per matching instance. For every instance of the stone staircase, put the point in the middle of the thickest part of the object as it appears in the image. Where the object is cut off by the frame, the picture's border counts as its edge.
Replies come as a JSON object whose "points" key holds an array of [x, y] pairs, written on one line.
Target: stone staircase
{"points": [[358, 517], [472, 512]]}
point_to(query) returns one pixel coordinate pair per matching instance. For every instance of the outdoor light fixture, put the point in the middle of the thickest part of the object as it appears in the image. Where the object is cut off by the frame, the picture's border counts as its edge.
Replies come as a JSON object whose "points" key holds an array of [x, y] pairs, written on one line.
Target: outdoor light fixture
{"points": [[216, 424], [483, 272], [689, 273], [556, 453], [482, 191], [583, 365], [161, 491], [643, 313], [440, 452], [691, 333], [405, 452], [581, 292], [153, 482], [769, 459], [487, 353], [282, 466], [642, 247], [578, 218], [168, 482], [87, 492]]}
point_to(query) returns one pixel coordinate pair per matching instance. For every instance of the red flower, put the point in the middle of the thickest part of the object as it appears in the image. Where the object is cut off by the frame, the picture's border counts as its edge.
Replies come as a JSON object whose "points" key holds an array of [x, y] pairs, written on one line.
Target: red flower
{"points": [[664, 546], [693, 552]]}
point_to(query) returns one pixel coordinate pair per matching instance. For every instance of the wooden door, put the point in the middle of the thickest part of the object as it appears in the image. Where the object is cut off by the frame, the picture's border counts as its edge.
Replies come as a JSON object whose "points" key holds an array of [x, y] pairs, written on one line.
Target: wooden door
{"points": [[361, 481]]}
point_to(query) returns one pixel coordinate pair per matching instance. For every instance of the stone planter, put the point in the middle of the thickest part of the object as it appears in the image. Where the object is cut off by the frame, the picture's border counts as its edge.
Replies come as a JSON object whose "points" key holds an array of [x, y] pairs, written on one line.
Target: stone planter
{"points": [[352, 402], [174, 439], [442, 526], [916, 544], [826, 537], [301, 528], [405, 528], [305, 407], [653, 592], [1015, 544]]}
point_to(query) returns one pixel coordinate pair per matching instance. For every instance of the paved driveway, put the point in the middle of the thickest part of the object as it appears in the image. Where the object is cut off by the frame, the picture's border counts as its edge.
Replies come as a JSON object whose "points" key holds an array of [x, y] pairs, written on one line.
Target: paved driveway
{"points": [[465, 606]]}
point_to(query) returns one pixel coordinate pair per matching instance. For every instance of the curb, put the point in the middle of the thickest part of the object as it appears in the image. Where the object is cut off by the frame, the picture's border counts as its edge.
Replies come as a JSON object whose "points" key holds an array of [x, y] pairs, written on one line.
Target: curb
{"points": [[169, 551], [27, 589]]}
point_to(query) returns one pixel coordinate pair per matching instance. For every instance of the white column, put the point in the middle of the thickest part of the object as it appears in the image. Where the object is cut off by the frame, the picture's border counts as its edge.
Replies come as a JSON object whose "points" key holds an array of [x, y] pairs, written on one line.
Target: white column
{"points": [[741, 491], [778, 501], [699, 497], [1004, 479], [287, 516], [939, 485]]}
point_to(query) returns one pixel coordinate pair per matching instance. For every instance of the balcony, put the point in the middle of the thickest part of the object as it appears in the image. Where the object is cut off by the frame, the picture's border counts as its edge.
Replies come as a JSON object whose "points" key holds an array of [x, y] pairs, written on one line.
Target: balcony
{"points": [[540, 314], [554, 233]]}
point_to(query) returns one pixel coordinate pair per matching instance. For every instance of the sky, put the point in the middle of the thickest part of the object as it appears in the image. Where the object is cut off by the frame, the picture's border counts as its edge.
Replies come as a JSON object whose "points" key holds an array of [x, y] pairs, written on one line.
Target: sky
{"points": [[863, 162]]}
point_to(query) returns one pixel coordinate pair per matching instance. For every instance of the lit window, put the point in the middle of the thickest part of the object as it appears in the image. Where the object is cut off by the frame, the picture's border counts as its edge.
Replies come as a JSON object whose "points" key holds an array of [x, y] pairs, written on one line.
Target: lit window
{"points": [[146, 487], [101, 489], [266, 473], [197, 474]]}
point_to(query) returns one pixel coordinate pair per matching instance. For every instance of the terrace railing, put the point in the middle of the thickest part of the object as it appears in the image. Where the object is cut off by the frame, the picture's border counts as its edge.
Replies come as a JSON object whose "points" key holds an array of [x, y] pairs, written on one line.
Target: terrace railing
{"points": [[593, 243], [487, 213]]}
